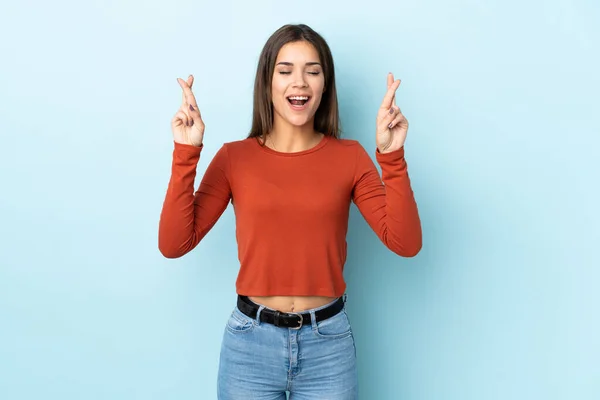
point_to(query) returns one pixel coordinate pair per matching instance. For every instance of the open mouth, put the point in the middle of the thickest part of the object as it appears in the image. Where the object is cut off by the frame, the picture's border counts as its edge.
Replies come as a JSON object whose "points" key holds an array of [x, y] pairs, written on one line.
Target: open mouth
{"points": [[298, 101]]}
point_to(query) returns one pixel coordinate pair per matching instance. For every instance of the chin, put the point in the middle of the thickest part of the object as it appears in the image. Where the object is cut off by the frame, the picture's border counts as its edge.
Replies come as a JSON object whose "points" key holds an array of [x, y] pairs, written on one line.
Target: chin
{"points": [[300, 119], [300, 123], [295, 119]]}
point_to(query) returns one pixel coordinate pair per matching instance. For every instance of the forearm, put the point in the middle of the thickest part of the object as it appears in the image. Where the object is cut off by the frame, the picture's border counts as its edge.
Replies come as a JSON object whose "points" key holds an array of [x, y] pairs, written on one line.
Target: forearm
{"points": [[176, 234], [402, 225]]}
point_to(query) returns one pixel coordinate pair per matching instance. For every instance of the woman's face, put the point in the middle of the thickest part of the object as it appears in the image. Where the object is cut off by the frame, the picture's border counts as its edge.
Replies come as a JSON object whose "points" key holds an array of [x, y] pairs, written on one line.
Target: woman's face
{"points": [[298, 84]]}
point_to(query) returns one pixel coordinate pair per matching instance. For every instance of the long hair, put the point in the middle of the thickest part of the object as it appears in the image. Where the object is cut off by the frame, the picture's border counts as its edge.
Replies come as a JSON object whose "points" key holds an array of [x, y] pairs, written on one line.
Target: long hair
{"points": [[327, 115]]}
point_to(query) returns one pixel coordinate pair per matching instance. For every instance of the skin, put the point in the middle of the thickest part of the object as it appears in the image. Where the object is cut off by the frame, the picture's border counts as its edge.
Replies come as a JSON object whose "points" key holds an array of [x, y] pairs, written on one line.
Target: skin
{"points": [[297, 71]]}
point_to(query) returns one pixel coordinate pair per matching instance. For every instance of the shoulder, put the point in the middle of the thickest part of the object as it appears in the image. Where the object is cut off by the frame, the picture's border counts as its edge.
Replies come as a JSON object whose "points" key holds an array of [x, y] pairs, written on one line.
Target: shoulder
{"points": [[240, 144], [237, 147], [347, 142], [349, 147]]}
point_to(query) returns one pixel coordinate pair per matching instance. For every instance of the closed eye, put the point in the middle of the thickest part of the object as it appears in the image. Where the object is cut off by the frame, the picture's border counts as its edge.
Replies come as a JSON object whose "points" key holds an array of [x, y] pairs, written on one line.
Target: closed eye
{"points": [[287, 73]]}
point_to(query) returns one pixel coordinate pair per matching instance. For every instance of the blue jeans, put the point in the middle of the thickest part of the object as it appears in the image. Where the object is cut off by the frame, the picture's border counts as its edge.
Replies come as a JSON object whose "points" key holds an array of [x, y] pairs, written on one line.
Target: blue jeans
{"points": [[260, 361]]}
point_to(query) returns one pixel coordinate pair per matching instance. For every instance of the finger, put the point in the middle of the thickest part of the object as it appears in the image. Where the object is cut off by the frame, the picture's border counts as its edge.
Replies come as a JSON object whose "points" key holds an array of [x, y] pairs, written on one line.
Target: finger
{"points": [[195, 115], [179, 119], [187, 91], [190, 82], [387, 118], [189, 112], [390, 82], [183, 99], [399, 118], [184, 103], [388, 99], [391, 114], [193, 110], [188, 118]]}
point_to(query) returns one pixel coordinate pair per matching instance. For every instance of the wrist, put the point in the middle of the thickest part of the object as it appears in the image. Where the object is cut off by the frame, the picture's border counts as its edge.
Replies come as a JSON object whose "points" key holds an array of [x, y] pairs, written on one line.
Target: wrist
{"points": [[186, 144], [388, 150], [187, 147], [389, 154]]}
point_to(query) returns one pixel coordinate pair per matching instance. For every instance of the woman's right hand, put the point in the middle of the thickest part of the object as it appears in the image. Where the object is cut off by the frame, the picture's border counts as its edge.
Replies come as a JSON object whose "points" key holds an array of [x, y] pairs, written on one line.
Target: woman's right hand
{"points": [[187, 124]]}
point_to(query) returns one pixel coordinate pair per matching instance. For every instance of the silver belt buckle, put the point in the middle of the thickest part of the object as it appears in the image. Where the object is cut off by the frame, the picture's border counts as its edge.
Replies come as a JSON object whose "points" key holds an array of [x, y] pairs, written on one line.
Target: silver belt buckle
{"points": [[301, 320]]}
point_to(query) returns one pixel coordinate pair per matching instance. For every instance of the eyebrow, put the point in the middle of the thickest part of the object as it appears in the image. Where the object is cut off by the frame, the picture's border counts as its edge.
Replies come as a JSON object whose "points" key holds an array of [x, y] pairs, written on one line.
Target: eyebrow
{"points": [[291, 64]]}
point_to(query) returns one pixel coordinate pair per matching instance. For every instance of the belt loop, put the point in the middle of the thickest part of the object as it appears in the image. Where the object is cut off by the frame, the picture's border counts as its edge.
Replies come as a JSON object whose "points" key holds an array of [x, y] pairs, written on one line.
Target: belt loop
{"points": [[313, 319], [260, 308], [345, 297]]}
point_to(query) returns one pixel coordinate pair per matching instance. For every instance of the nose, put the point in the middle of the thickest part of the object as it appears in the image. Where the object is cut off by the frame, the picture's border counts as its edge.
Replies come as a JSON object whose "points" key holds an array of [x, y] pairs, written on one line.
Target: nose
{"points": [[299, 80]]}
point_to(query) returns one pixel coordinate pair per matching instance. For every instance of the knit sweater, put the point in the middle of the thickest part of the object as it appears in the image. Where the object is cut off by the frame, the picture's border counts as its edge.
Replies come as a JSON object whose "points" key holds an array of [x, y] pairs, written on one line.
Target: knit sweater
{"points": [[291, 210]]}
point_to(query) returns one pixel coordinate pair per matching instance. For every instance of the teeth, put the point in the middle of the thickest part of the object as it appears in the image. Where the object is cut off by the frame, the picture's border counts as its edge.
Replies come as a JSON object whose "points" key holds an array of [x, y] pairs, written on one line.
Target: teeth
{"points": [[298, 98]]}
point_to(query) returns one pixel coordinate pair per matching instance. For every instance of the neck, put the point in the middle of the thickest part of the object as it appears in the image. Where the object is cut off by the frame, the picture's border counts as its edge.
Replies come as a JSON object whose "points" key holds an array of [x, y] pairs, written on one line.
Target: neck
{"points": [[291, 138]]}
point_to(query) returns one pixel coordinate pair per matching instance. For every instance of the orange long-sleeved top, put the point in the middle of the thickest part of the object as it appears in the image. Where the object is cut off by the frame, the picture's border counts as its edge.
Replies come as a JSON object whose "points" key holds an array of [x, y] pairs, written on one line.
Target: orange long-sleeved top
{"points": [[291, 210]]}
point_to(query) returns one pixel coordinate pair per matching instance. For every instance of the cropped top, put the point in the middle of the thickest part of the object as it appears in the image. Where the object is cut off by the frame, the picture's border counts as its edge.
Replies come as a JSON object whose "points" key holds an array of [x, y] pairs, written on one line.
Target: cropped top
{"points": [[291, 210]]}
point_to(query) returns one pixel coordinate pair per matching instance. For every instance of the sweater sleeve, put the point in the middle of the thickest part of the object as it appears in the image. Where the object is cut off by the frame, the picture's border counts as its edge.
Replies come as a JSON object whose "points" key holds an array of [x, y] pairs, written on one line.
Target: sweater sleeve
{"points": [[186, 216], [389, 207]]}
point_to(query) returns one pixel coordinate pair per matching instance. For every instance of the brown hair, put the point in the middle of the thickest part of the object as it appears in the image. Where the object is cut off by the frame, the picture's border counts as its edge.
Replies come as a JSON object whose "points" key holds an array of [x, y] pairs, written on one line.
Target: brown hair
{"points": [[327, 115]]}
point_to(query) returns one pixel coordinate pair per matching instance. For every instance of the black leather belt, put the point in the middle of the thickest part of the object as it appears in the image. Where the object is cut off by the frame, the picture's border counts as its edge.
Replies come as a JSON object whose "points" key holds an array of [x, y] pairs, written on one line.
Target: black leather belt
{"points": [[287, 320]]}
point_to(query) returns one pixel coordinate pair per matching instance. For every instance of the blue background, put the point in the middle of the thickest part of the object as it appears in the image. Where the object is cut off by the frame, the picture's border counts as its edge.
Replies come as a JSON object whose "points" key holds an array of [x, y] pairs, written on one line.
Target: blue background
{"points": [[502, 100]]}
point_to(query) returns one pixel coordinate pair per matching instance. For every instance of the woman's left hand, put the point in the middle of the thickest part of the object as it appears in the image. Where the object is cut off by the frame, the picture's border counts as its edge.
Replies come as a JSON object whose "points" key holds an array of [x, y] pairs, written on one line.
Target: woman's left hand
{"points": [[392, 126]]}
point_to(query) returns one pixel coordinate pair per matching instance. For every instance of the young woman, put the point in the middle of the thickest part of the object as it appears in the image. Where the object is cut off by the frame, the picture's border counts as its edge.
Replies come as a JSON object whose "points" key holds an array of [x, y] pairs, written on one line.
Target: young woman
{"points": [[291, 182]]}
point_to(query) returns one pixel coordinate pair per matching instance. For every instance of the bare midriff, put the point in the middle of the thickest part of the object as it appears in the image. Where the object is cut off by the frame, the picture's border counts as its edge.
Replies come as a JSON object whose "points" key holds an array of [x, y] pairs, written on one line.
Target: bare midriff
{"points": [[292, 303]]}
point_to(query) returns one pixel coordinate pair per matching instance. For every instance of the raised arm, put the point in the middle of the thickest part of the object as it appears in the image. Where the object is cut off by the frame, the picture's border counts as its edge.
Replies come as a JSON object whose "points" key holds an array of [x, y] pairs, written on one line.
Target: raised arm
{"points": [[186, 216], [389, 207]]}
